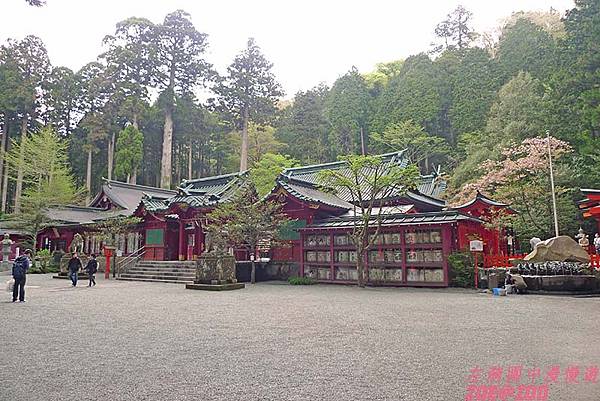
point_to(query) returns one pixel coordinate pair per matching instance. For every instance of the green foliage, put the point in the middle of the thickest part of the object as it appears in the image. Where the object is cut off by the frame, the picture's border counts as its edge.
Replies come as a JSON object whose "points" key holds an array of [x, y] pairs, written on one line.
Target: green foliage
{"points": [[413, 94], [47, 178], [250, 86], [462, 269], [128, 156], [412, 138], [301, 281], [516, 114], [304, 127], [347, 109], [246, 219], [526, 46], [265, 171]]}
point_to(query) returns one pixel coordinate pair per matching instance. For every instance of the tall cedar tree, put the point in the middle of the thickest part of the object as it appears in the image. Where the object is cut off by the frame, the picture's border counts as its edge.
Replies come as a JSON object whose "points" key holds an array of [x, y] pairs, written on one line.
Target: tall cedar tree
{"points": [[178, 67], [368, 180], [249, 92]]}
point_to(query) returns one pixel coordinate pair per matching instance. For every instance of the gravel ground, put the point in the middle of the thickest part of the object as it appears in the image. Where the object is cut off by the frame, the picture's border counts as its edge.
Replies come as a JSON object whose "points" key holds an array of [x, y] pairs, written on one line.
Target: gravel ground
{"points": [[271, 341]]}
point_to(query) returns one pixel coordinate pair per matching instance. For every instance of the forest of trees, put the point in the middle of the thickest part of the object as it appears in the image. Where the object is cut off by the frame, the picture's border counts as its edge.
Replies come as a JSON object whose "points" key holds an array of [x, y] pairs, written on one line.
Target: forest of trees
{"points": [[473, 103]]}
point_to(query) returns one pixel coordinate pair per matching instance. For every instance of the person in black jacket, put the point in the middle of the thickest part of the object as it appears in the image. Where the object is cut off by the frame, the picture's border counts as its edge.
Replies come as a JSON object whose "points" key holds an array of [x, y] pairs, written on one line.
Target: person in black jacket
{"points": [[74, 266], [19, 273], [91, 268]]}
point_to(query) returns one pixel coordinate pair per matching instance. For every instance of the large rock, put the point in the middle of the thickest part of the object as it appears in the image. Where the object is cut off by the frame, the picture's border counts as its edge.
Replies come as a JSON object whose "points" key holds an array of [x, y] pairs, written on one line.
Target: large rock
{"points": [[561, 248]]}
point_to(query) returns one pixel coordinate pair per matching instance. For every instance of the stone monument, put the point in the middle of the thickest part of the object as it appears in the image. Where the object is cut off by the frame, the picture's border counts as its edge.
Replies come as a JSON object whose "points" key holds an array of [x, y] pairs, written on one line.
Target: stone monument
{"points": [[6, 245], [215, 269], [77, 244]]}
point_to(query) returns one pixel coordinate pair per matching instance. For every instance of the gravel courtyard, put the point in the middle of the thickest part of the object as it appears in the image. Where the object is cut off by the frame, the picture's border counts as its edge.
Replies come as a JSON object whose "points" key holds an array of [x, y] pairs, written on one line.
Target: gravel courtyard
{"points": [[272, 341]]}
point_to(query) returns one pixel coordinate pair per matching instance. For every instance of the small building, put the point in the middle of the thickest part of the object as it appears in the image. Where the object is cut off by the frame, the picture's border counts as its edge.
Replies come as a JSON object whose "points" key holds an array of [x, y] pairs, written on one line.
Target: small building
{"points": [[114, 199]]}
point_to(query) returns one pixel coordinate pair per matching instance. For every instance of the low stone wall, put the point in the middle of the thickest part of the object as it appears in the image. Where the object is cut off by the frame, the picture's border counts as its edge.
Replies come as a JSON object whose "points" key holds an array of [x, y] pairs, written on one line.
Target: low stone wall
{"points": [[562, 283], [267, 271]]}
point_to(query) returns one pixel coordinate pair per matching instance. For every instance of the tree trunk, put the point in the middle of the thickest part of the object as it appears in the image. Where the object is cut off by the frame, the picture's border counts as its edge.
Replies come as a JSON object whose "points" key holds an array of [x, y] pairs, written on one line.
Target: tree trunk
{"points": [[253, 273], [134, 176], [360, 266], [363, 148], [5, 192], [19, 187], [129, 178], [165, 166], [88, 177], [244, 153], [111, 155], [3, 151], [190, 161], [135, 121]]}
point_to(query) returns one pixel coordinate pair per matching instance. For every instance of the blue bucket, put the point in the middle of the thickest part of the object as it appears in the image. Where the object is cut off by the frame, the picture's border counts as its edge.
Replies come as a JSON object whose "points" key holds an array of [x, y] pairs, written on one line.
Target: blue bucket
{"points": [[496, 291]]}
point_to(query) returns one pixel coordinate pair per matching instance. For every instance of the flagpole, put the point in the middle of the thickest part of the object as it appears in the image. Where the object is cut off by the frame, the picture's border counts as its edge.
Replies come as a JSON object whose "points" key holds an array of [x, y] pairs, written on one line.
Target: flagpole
{"points": [[552, 186]]}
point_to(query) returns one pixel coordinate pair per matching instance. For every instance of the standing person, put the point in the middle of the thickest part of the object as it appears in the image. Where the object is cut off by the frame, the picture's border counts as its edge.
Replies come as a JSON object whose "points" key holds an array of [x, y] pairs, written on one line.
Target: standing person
{"points": [[91, 268], [74, 266], [19, 273], [597, 243]]}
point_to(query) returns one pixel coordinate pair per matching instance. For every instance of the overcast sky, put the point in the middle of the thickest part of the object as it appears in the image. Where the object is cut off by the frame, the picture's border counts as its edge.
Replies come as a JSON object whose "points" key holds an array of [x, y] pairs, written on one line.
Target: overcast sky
{"points": [[308, 41]]}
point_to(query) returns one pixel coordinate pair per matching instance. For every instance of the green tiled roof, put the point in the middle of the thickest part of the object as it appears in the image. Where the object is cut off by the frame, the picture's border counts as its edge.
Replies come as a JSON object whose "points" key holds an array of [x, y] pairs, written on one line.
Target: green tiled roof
{"points": [[429, 188], [310, 194], [202, 192], [347, 221]]}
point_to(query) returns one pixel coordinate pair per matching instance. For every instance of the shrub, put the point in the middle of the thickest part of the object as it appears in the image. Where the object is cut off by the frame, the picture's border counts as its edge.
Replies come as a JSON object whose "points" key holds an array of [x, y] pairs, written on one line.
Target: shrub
{"points": [[301, 281], [462, 271]]}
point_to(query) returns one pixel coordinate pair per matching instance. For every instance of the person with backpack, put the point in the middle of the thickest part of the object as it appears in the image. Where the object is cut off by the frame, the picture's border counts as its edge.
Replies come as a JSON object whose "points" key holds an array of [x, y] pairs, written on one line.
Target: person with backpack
{"points": [[74, 266], [19, 273], [91, 268]]}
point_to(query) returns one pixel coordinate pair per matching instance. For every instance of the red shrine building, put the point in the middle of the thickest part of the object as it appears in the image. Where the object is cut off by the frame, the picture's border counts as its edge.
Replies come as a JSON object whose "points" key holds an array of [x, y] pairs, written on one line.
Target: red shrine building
{"points": [[590, 205], [419, 230]]}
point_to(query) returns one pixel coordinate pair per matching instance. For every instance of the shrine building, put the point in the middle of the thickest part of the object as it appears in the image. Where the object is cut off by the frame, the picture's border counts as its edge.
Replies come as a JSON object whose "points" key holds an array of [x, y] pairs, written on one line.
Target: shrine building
{"points": [[419, 230]]}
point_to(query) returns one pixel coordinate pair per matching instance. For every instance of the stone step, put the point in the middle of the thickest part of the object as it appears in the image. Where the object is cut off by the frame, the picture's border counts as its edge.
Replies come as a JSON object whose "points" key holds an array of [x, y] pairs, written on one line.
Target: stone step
{"points": [[157, 277], [152, 280], [173, 264], [160, 273], [160, 269]]}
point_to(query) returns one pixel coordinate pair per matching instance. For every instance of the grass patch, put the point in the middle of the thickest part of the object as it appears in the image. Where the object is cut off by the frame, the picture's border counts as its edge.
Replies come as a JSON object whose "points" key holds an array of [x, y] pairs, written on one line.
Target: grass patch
{"points": [[301, 281]]}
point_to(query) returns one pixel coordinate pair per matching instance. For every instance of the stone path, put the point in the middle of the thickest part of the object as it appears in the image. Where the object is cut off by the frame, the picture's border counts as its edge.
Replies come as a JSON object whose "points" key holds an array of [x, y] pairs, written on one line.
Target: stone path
{"points": [[271, 341]]}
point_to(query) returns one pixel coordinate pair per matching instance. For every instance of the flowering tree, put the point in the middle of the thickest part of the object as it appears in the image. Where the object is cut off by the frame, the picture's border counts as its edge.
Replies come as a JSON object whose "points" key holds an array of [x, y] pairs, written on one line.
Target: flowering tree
{"points": [[521, 178]]}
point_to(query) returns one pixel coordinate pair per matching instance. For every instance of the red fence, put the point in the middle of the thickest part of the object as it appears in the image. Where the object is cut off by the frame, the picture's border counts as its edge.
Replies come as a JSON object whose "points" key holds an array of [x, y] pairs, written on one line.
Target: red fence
{"points": [[500, 260]]}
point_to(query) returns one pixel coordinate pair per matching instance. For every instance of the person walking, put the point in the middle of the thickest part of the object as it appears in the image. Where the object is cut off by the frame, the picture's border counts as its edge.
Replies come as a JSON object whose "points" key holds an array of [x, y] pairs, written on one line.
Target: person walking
{"points": [[597, 243], [19, 273], [91, 268], [74, 266]]}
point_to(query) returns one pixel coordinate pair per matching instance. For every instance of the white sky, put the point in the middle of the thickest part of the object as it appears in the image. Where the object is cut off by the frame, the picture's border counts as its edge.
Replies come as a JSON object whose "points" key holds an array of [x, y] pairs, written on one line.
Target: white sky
{"points": [[308, 41]]}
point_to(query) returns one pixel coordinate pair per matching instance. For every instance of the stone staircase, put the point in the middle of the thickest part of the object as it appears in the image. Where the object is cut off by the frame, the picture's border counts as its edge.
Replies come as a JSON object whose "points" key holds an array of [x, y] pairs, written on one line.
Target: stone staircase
{"points": [[180, 272]]}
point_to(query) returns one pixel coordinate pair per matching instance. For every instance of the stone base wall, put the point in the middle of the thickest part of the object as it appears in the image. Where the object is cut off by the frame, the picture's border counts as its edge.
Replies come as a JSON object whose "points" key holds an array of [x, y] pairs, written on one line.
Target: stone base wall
{"points": [[215, 269]]}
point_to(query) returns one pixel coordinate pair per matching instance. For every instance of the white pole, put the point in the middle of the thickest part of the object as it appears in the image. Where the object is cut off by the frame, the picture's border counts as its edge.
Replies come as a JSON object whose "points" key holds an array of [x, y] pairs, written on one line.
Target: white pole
{"points": [[552, 186]]}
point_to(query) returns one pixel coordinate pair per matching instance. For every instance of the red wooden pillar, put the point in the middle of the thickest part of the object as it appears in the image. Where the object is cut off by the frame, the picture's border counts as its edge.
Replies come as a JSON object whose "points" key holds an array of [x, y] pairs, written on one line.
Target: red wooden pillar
{"points": [[182, 250], [446, 249], [302, 254]]}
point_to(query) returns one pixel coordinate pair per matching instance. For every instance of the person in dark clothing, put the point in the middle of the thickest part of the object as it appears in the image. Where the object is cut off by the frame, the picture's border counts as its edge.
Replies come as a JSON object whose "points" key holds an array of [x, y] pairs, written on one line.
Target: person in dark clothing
{"points": [[91, 268], [19, 273], [74, 266]]}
